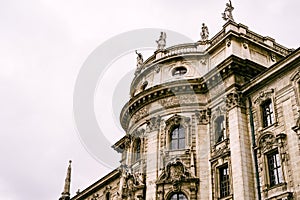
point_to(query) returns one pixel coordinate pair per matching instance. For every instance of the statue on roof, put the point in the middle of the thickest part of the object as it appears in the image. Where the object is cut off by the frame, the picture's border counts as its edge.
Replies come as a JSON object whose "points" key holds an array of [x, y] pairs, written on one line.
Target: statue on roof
{"points": [[139, 62], [227, 14], [204, 32], [161, 42]]}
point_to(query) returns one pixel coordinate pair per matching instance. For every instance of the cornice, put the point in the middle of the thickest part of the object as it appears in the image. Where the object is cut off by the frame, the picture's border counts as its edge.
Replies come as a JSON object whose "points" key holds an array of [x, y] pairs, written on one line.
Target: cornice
{"points": [[286, 64], [231, 65], [231, 30]]}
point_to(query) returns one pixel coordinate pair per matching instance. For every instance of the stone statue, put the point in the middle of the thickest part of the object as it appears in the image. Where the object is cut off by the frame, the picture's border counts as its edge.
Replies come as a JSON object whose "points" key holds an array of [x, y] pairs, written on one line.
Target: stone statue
{"points": [[227, 14], [139, 59], [139, 62], [161, 42], [204, 33]]}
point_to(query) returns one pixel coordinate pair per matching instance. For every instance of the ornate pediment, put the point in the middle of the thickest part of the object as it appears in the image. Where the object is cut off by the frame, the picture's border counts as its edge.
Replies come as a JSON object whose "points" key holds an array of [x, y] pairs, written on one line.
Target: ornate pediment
{"points": [[133, 183], [266, 142], [263, 95], [177, 120], [175, 171]]}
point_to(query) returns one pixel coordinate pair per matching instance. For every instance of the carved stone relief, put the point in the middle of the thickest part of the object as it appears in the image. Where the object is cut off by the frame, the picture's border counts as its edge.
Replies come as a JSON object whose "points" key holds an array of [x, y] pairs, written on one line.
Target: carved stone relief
{"points": [[203, 116], [263, 95], [233, 99], [178, 100], [140, 114], [154, 123]]}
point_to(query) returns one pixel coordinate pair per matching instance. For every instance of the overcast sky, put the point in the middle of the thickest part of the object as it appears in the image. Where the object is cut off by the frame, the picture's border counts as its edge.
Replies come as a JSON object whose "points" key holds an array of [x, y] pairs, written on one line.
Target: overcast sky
{"points": [[43, 45]]}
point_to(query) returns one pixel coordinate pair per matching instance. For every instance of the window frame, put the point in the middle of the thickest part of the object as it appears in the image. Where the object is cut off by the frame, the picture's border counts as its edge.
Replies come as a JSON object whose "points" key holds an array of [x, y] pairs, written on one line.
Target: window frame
{"points": [[278, 170], [227, 181], [177, 139], [177, 196], [137, 149], [267, 117], [179, 71]]}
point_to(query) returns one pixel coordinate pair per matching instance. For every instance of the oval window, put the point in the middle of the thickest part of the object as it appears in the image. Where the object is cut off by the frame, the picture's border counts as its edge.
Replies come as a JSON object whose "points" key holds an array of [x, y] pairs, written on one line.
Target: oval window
{"points": [[179, 71]]}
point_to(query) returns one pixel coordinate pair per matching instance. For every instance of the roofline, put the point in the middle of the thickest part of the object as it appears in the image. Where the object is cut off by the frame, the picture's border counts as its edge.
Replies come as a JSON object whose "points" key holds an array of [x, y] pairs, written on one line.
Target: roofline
{"points": [[98, 184], [271, 71]]}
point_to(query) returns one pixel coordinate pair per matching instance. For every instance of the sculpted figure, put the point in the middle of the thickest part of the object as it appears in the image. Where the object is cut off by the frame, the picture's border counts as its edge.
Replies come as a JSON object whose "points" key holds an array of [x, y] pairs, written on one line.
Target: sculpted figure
{"points": [[204, 33], [161, 42], [139, 63], [227, 15]]}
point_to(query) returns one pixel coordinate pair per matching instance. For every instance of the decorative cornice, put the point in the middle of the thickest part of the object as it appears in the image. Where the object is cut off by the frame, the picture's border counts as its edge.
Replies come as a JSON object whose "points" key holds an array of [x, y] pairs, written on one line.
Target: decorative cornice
{"points": [[178, 100], [192, 87]]}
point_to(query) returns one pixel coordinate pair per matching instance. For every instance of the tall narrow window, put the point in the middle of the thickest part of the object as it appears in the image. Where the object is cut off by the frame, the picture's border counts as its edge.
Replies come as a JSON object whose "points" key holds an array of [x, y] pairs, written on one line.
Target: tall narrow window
{"points": [[274, 167], [178, 196], [177, 138], [224, 181], [268, 113], [219, 129], [137, 149], [107, 196]]}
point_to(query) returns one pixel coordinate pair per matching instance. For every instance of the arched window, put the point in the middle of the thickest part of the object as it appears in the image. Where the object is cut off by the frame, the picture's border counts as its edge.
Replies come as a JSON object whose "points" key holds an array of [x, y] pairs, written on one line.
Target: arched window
{"points": [[137, 149], [177, 138], [178, 196], [219, 129]]}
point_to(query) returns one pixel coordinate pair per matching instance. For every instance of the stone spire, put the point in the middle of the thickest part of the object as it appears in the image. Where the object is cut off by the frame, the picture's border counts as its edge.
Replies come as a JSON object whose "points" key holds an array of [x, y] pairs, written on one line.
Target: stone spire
{"points": [[65, 195]]}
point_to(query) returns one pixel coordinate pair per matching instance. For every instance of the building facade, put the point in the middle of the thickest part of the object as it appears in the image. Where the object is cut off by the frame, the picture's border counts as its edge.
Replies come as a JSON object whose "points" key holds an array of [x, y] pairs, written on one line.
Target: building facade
{"points": [[215, 119]]}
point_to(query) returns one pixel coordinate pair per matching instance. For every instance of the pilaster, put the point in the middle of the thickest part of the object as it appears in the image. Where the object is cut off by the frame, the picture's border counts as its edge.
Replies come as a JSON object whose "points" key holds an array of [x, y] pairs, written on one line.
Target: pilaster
{"points": [[152, 134], [240, 146]]}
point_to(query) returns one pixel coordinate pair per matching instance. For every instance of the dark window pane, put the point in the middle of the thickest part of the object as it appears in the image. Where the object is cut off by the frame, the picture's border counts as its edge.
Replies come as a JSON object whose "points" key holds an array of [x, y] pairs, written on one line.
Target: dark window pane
{"points": [[179, 71]]}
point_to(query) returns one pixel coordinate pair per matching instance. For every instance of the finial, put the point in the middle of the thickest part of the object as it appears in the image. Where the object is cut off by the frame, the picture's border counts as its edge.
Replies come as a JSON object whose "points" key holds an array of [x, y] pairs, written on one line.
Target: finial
{"points": [[65, 195], [204, 32], [227, 14], [161, 42]]}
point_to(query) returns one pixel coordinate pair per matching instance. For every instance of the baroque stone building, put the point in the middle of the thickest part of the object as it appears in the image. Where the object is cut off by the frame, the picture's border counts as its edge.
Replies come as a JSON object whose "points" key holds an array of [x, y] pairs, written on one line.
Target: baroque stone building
{"points": [[215, 119]]}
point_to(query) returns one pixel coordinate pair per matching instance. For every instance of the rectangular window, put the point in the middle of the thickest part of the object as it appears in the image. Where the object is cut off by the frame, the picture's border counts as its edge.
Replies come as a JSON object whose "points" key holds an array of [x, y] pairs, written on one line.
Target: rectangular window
{"points": [[224, 181], [274, 167], [267, 112]]}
